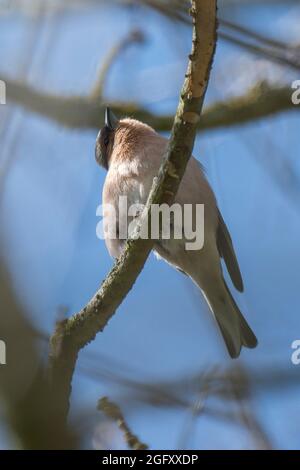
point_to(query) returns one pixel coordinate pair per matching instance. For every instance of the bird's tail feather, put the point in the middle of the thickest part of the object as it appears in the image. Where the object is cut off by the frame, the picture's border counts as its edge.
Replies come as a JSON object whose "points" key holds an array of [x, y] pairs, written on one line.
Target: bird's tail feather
{"points": [[234, 328]]}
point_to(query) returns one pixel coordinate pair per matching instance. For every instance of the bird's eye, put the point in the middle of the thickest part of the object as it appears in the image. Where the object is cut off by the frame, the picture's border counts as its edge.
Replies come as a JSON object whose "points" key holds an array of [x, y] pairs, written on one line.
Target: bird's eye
{"points": [[106, 140]]}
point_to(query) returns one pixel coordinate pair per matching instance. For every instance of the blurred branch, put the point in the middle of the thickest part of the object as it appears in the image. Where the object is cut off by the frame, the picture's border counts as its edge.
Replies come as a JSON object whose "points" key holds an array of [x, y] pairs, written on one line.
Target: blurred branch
{"points": [[230, 389], [177, 11], [75, 333], [175, 392], [240, 388], [8, 141], [31, 410], [111, 410], [270, 54], [260, 101], [31, 7], [101, 366], [133, 37], [254, 35], [196, 410]]}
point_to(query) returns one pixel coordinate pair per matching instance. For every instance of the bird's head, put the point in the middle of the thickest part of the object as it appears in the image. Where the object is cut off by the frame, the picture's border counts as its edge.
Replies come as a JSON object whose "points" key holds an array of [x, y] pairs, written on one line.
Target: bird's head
{"points": [[105, 139], [120, 139]]}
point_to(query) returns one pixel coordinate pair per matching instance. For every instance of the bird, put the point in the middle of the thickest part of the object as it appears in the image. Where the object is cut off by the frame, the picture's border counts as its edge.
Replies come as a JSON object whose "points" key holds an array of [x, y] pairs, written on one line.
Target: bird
{"points": [[132, 152]]}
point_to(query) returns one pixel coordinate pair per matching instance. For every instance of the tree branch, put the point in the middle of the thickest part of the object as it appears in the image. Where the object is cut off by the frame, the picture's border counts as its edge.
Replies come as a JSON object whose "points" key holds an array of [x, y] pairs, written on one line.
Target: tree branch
{"points": [[113, 411], [87, 113], [76, 332], [269, 54], [134, 36], [176, 11], [254, 35]]}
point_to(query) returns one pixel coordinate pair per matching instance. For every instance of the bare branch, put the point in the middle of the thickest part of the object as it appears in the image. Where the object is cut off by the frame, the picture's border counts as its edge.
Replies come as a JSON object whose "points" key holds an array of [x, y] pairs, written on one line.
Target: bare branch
{"points": [[240, 388], [135, 36], [113, 411], [254, 35], [270, 54], [176, 11]]}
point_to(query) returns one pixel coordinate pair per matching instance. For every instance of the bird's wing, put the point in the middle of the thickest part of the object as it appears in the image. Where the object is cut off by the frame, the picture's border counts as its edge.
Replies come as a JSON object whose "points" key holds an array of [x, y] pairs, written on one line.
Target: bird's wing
{"points": [[226, 250]]}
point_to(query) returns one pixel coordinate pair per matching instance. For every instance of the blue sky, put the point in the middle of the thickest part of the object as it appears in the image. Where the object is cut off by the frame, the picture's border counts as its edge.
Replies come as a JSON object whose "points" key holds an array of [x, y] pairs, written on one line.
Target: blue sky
{"points": [[163, 329]]}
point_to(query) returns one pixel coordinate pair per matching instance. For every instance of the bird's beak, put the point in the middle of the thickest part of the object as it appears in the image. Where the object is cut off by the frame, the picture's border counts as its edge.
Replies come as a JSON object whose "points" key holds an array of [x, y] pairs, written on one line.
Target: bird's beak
{"points": [[110, 119]]}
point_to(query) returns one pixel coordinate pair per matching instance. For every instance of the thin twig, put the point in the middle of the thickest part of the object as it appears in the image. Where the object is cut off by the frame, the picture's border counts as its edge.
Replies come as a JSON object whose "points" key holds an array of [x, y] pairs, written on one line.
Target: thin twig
{"points": [[134, 37], [254, 35], [270, 54], [113, 411], [240, 388], [176, 11]]}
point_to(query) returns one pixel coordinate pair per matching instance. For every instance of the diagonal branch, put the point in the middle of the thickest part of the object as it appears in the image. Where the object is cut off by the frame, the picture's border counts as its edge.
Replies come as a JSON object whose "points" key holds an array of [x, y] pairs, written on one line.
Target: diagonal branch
{"points": [[254, 35], [176, 11], [76, 332], [113, 411], [270, 54]]}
